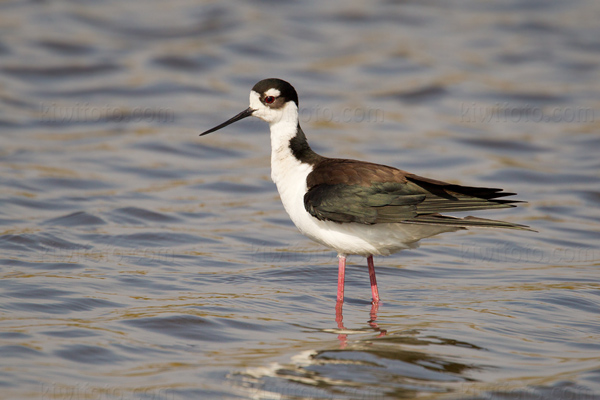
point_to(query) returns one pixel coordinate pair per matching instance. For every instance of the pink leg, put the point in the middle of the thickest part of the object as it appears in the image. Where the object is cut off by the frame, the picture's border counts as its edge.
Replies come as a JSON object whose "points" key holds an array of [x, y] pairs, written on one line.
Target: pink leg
{"points": [[374, 289], [341, 278]]}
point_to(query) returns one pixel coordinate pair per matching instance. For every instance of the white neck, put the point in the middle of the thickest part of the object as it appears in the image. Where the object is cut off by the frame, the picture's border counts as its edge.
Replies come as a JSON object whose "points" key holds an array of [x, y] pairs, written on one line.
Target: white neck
{"points": [[286, 170], [283, 130], [289, 173]]}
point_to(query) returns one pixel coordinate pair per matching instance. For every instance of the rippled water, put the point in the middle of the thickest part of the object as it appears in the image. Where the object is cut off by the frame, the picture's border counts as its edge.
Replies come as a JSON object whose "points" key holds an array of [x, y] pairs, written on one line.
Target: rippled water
{"points": [[140, 261]]}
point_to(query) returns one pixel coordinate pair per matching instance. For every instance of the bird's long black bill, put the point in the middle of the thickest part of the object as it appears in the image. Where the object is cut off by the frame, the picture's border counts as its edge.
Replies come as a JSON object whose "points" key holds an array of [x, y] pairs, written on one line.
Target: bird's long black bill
{"points": [[246, 113]]}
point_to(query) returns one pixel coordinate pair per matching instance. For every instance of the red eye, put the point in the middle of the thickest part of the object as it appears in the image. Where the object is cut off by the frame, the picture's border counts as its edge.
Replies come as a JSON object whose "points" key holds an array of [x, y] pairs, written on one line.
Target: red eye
{"points": [[269, 99]]}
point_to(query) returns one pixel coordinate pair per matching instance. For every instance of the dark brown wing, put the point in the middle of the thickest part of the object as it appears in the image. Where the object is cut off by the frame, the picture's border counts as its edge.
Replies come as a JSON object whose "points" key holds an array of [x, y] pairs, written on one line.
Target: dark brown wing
{"points": [[354, 191]]}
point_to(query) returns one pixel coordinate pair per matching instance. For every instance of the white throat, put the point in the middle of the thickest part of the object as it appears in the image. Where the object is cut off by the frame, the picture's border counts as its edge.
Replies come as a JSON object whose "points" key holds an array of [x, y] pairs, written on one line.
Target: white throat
{"points": [[284, 129]]}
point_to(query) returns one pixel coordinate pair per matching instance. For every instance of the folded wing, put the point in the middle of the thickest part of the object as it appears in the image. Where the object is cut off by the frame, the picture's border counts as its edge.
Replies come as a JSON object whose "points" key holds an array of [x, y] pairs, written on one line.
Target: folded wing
{"points": [[353, 191]]}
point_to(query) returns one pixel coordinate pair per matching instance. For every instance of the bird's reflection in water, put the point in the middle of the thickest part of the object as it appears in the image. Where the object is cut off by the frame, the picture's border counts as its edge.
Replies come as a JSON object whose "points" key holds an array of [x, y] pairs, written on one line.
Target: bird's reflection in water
{"points": [[391, 363], [343, 332]]}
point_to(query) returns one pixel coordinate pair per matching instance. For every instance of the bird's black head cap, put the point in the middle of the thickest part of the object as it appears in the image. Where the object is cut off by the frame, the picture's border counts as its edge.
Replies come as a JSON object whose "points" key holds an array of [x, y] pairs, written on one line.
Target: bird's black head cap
{"points": [[286, 91]]}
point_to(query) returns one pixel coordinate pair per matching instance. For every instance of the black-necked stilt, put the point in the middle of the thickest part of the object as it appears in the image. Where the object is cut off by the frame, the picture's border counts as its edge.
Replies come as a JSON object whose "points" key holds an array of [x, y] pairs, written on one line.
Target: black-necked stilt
{"points": [[357, 207]]}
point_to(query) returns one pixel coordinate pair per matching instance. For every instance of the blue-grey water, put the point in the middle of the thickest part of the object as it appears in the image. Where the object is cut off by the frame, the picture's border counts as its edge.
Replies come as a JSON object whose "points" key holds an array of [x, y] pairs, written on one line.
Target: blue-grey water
{"points": [[140, 261]]}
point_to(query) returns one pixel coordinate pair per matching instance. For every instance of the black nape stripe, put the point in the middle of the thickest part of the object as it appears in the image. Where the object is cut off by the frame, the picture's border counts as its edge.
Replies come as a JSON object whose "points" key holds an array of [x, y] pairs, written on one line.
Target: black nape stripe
{"points": [[301, 150]]}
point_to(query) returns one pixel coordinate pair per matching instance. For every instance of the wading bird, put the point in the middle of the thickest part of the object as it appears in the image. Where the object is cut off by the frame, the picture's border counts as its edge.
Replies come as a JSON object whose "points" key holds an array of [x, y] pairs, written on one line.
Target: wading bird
{"points": [[357, 207]]}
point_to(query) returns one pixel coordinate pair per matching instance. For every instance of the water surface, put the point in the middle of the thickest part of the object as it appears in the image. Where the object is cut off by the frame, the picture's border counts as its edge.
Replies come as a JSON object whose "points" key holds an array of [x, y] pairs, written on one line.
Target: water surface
{"points": [[140, 261]]}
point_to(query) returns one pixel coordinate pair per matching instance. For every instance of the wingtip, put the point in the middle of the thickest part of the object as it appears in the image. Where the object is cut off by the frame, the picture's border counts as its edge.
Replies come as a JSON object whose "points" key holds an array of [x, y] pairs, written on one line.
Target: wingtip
{"points": [[500, 224]]}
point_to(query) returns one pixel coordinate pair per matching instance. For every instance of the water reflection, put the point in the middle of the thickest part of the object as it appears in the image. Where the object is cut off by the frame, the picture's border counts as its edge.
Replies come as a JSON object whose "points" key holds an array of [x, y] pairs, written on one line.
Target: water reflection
{"points": [[380, 365], [339, 319]]}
